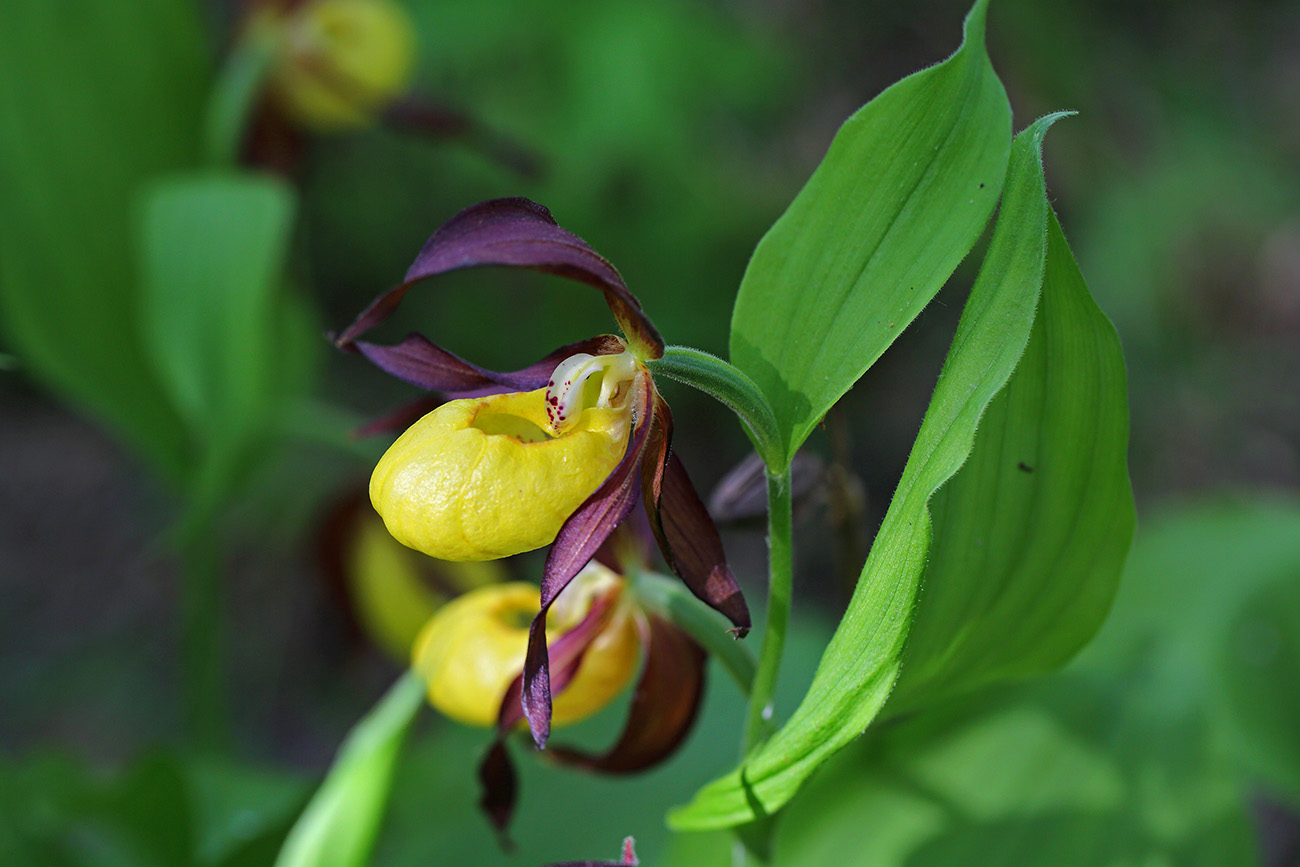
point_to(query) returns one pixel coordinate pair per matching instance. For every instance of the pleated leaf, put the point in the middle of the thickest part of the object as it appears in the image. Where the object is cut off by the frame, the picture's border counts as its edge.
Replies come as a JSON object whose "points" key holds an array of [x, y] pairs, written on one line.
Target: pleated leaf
{"points": [[861, 664], [1031, 535], [903, 193]]}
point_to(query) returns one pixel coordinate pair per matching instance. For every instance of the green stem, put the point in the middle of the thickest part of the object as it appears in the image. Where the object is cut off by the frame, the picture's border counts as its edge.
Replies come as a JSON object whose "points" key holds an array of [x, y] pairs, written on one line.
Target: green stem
{"points": [[780, 588], [669, 598], [235, 95], [203, 622], [730, 386]]}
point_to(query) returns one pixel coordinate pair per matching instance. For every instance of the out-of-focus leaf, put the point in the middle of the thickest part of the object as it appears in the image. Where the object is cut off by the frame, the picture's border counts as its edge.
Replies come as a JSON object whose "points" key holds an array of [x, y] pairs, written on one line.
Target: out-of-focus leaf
{"points": [[339, 826], [99, 96], [860, 665], [164, 810], [1031, 534], [1208, 612], [901, 196], [64, 815], [213, 251], [240, 811], [1261, 678], [1061, 776]]}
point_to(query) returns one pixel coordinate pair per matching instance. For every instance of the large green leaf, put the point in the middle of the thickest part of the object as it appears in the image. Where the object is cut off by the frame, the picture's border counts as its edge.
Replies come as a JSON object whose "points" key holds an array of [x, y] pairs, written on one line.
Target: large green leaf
{"points": [[901, 196], [1067, 774], [861, 663], [339, 826], [1209, 611], [213, 250], [99, 95], [1030, 536]]}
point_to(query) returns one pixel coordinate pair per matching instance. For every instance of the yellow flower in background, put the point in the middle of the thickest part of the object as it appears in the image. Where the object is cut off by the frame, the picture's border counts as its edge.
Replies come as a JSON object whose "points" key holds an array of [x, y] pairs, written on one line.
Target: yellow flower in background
{"points": [[339, 63], [394, 590]]}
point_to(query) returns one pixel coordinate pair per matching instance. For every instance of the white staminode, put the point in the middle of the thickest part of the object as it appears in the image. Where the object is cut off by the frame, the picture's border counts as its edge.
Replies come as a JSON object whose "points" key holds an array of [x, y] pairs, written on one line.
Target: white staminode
{"points": [[567, 394]]}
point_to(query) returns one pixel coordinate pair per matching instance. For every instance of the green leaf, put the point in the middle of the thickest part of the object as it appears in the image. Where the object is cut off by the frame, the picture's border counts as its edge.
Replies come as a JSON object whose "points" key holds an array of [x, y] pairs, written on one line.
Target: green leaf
{"points": [[861, 663], [213, 250], [1209, 611], [339, 826], [1030, 536], [101, 95], [1063, 775], [238, 809], [903, 193], [1260, 670]]}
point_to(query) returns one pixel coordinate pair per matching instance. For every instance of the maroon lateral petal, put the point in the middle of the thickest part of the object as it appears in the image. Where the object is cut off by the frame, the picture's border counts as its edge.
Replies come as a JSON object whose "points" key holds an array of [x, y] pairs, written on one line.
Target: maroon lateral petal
{"points": [[424, 364], [664, 706], [577, 542], [496, 773], [691, 545], [658, 446], [515, 233], [565, 656], [681, 524], [499, 786]]}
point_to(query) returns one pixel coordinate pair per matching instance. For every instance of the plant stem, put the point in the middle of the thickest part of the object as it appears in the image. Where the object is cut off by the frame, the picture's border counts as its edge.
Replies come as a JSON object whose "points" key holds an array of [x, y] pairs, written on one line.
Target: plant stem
{"points": [[203, 622], [669, 598], [780, 589], [731, 387], [235, 95]]}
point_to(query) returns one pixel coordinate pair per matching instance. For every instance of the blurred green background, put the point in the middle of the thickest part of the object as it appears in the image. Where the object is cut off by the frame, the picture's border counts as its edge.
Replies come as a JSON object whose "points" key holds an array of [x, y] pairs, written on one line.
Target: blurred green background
{"points": [[144, 434]]}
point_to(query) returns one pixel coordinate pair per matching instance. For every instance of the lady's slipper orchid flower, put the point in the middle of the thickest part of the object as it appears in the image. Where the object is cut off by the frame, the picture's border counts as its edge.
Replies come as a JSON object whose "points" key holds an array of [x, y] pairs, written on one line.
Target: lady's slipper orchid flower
{"points": [[337, 64], [472, 656], [560, 451]]}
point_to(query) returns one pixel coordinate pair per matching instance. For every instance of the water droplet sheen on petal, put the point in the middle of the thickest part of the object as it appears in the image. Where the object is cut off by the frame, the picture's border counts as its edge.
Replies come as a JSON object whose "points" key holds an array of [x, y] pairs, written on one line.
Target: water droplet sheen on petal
{"points": [[485, 478]]}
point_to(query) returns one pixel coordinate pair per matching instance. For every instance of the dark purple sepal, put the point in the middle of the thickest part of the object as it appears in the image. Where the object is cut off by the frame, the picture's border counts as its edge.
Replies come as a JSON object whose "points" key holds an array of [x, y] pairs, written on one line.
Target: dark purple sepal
{"points": [[579, 539], [515, 233], [500, 788], [664, 706], [426, 365], [399, 419]]}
